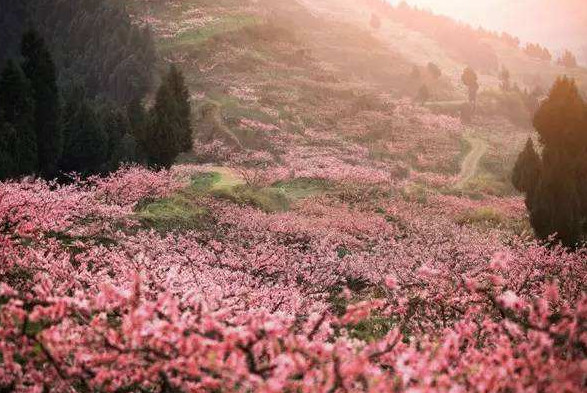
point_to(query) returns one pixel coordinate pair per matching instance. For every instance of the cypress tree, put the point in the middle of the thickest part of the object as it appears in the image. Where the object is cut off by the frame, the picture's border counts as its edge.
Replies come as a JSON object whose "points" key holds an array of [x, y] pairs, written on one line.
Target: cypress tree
{"points": [[17, 104], [162, 141], [181, 95], [469, 79], [556, 194], [169, 131], [7, 158], [39, 68], [86, 142], [527, 169], [121, 142]]}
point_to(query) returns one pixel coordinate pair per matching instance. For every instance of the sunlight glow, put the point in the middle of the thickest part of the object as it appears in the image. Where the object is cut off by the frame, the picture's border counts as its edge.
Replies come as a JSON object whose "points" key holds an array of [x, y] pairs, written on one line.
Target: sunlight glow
{"points": [[556, 23]]}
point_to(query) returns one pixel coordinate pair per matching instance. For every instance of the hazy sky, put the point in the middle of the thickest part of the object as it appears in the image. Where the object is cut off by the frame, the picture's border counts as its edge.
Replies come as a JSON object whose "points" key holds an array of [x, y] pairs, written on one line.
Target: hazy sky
{"points": [[556, 23]]}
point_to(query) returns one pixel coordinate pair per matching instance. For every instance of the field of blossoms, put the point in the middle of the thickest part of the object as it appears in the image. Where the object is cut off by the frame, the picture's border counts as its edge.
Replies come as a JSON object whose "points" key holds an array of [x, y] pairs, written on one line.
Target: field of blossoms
{"points": [[319, 238]]}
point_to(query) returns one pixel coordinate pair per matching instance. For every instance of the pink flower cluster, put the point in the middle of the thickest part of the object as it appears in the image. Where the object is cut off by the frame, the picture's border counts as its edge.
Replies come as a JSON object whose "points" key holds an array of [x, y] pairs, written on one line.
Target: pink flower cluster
{"points": [[324, 298]]}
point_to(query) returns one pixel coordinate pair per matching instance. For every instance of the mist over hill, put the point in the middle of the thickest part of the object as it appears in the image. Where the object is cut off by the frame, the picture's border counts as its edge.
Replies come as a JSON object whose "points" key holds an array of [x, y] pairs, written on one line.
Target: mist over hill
{"points": [[559, 24]]}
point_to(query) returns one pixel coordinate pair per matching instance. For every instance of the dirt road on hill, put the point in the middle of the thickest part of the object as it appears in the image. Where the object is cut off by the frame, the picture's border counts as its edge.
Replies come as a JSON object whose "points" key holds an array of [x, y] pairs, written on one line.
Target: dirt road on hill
{"points": [[471, 162]]}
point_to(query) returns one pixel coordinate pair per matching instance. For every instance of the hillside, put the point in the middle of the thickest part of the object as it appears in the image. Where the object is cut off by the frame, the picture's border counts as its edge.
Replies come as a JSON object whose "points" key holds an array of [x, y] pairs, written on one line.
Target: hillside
{"points": [[330, 231], [319, 66]]}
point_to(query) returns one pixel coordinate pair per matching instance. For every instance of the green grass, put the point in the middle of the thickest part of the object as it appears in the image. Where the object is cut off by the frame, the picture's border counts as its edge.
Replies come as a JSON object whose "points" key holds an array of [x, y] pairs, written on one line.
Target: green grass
{"points": [[269, 200], [181, 211], [483, 215], [176, 213], [303, 187], [490, 184], [193, 39]]}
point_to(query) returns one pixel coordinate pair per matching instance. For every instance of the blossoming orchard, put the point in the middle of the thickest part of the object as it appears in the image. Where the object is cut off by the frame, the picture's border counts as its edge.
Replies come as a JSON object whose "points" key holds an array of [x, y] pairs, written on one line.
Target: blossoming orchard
{"points": [[326, 297], [345, 220]]}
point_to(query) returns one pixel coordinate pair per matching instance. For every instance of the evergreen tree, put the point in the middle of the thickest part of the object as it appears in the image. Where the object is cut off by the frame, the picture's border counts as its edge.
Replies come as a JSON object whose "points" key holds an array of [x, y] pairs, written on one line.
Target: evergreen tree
{"points": [[139, 124], [163, 137], [527, 169], [469, 79], [121, 142], [504, 77], [181, 95], [567, 59], [7, 142], [95, 43], [40, 70], [86, 142], [17, 104], [556, 193]]}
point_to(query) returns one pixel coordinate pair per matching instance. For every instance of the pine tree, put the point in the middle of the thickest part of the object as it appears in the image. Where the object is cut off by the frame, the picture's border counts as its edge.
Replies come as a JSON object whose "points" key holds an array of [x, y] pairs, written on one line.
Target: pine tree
{"points": [[40, 70], [469, 79], [17, 104], [567, 59], [163, 137], [7, 142], [181, 95], [86, 142], [121, 142], [526, 172], [504, 77], [556, 197]]}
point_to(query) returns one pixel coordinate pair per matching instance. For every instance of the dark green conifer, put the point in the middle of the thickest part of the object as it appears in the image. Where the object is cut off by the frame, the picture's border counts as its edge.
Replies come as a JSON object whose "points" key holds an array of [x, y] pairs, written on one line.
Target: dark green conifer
{"points": [[556, 193], [162, 140], [17, 104], [181, 95], [86, 142], [39, 68]]}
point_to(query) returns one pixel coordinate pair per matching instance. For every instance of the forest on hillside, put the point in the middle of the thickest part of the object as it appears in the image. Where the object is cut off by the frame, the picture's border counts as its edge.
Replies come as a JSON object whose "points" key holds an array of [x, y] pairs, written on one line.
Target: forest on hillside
{"points": [[333, 196]]}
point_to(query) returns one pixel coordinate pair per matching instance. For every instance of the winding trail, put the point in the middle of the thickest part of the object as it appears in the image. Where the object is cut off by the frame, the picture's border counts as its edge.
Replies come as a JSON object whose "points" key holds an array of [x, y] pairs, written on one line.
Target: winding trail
{"points": [[471, 162]]}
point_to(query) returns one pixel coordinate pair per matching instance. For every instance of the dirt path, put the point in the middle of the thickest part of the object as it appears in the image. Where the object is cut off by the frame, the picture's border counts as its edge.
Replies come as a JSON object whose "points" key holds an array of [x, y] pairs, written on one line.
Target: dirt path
{"points": [[471, 162]]}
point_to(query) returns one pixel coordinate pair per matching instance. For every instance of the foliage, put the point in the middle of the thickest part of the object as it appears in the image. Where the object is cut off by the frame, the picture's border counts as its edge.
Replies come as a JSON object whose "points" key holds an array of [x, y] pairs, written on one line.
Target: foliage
{"points": [[245, 305], [526, 172], [567, 59], [505, 79], [538, 52], [40, 70], [94, 43], [169, 130], [85, 139], [18, 108], [469, 79], [555, 187]]}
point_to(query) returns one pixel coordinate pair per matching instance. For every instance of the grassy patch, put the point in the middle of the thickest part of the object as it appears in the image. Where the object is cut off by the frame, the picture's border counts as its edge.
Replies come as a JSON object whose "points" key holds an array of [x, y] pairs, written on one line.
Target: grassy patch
{"points": [[303, 187], [267, 199], [176, 213], [483, 215], [180, 212], [193, 39], [491, 184], [372, 329]]}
